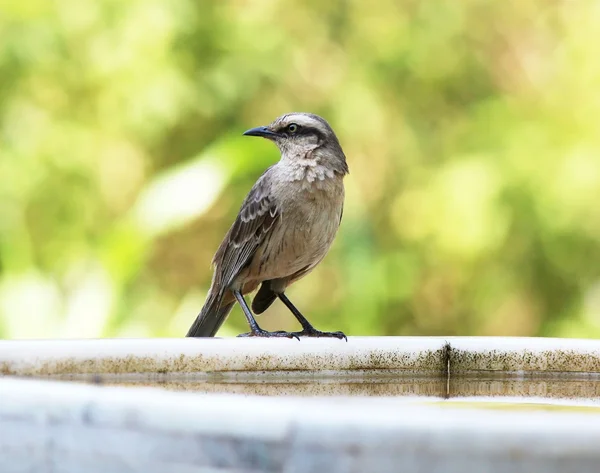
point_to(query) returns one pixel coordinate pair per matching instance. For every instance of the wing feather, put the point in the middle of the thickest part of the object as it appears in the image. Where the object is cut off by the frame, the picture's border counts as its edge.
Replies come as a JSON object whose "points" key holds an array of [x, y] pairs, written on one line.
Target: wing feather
{"points": [[258, 214]]}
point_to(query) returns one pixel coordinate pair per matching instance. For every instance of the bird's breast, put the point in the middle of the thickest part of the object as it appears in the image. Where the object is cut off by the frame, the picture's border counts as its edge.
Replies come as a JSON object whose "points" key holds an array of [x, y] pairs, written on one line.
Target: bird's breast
{"points": [[309, 220]]}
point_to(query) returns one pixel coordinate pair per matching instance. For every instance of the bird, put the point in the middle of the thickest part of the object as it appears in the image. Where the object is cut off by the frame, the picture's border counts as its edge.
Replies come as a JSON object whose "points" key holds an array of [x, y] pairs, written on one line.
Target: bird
{"points": [[284, 228]]}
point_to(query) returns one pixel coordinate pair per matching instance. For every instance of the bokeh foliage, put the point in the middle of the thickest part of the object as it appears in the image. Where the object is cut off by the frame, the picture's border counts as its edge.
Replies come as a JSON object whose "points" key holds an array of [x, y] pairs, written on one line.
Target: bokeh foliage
{"points": [[471, 128]]}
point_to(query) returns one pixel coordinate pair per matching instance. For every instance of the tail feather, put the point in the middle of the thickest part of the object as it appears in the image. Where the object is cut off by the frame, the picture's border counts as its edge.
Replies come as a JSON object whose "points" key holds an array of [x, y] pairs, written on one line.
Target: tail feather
{"points": [[211, 317]]}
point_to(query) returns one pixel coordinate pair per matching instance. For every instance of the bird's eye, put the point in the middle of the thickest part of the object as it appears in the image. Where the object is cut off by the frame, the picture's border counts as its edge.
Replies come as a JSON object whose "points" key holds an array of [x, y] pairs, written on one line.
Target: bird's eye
{"points": [[292, 128]]}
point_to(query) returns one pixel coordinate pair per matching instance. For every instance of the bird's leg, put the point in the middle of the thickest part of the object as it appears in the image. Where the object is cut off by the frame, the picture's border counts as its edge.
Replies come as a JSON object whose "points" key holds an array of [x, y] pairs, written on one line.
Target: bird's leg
{"points": [[255, 330], [307, 329]]}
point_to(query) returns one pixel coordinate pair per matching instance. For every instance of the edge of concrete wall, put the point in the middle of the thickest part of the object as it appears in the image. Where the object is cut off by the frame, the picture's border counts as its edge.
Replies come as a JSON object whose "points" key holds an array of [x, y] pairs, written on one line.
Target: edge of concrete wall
{"points": [[360, 355], [522, 355], [408, 355]]}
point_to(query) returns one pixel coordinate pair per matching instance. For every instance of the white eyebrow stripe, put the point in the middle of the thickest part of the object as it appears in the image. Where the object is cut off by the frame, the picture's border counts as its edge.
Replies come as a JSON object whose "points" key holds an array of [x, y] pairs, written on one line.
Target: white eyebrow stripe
{"points": [[303, 120]]}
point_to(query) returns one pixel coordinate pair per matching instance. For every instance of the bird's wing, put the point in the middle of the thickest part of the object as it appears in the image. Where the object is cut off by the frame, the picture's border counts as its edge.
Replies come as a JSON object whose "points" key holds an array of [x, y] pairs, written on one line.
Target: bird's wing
{"points": [[257, 216]]}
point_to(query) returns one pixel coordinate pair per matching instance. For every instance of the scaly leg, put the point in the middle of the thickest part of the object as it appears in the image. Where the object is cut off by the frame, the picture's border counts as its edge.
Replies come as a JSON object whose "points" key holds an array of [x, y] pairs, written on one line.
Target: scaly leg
{"points": [[307, 329], [255, 330]]}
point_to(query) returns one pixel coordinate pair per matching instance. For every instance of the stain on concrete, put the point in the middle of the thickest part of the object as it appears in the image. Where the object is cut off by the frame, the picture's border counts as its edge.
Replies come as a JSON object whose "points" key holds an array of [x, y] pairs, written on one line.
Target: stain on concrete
{"points": [[315, 360], [524, 361], [399, 361]]}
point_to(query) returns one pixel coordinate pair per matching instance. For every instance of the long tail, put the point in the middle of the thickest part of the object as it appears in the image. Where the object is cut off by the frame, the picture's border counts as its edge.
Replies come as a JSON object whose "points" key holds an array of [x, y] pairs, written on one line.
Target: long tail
{"points": [[211, 317]]}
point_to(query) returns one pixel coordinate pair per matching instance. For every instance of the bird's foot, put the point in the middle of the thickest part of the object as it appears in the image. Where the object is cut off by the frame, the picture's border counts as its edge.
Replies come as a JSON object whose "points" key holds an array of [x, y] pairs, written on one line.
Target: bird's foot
{"points": [[266, 334], [313, 332]]}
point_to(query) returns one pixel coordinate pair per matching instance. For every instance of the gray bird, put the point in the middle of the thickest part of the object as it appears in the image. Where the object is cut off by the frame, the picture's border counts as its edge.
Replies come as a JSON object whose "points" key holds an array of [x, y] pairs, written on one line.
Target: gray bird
{"points": [[284, 228]]}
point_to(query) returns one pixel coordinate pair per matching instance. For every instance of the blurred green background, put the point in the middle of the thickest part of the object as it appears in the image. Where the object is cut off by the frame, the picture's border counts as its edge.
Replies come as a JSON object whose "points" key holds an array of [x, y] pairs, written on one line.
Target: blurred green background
{"points": [[471, 129]]}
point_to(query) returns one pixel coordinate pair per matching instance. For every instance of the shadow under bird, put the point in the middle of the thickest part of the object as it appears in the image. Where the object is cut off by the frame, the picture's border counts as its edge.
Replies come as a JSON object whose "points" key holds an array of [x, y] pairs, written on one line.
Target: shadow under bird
{"points": [[284, 228]]}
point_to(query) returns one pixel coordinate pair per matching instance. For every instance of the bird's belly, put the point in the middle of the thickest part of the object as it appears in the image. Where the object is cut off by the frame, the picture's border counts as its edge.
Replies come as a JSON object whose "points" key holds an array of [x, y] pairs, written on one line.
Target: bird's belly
{"points": [[302, 242]]}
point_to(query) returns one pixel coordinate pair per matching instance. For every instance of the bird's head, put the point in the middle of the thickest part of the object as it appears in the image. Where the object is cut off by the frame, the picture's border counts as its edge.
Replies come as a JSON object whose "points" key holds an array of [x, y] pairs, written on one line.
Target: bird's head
{"points": [[302, 136]]}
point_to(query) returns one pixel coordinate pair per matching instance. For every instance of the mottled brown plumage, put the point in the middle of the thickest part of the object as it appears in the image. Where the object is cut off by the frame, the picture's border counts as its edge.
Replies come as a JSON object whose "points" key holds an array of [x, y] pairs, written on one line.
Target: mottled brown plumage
{"points": [[284, 228]]}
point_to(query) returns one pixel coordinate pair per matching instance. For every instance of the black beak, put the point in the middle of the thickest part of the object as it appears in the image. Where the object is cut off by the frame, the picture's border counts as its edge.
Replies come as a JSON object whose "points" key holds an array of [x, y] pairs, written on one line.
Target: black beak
{"points": [[261, 131]]}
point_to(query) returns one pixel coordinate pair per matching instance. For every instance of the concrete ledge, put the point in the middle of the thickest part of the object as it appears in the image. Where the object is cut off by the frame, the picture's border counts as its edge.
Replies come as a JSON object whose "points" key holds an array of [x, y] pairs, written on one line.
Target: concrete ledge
{"points": [[50, 427], [360, 356], [472, 355], [398, 355]]}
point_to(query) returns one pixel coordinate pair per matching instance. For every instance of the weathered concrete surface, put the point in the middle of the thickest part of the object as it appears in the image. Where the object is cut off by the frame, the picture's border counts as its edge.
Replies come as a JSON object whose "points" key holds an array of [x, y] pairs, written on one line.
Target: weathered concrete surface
{"points": [[469, 355], [50, 427], [402, 355], [361, 356]]}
